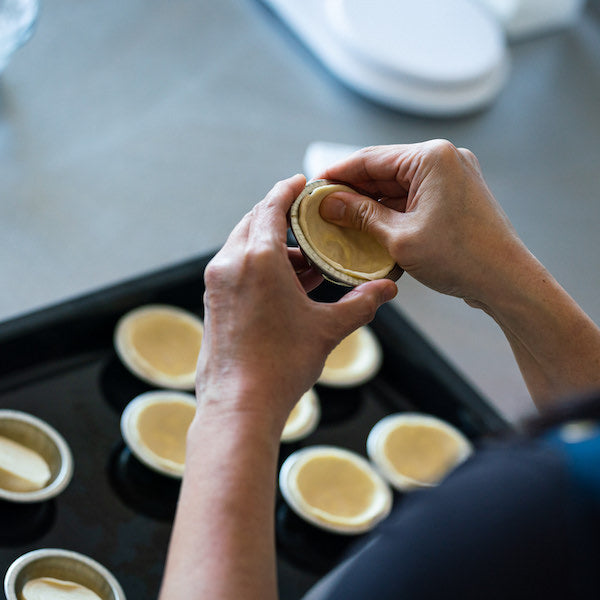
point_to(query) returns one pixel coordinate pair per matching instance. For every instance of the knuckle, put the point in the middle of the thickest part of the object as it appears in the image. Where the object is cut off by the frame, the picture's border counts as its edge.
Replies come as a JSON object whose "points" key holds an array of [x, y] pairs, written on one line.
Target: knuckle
{"points": [[281, 188], [365, 214], [402, 247], [444, 150], [257, 262], [215, 272], [469, 157], [258, 256]]}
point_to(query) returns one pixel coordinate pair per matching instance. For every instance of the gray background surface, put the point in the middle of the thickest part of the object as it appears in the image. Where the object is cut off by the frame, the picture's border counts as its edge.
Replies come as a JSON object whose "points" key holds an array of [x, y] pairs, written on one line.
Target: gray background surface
{"points": [[135, 134]]}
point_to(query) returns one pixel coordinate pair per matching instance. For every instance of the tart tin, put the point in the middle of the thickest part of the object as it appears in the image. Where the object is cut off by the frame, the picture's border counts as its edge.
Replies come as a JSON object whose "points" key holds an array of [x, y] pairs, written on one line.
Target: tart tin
{"points": [[380, 431], [328, 271], [136, 363], [364, 366], [382, 503], [131, 435], [308, 413], [37, 435], [61, 564]]}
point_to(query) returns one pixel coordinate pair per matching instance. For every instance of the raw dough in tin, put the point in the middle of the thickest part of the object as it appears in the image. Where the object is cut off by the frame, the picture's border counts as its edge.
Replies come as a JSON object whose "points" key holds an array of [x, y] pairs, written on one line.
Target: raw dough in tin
{"points": [[50, 588], [160, 344], [345, 353], [169, 344], [353, 252], [162, 428], [335, 488], [422, 452], [21, 468]]}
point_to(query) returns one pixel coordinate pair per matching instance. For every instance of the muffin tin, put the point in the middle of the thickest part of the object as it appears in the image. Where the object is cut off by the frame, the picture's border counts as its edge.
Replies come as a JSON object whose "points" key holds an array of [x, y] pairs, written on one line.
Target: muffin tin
{"points": [[59, 364]]}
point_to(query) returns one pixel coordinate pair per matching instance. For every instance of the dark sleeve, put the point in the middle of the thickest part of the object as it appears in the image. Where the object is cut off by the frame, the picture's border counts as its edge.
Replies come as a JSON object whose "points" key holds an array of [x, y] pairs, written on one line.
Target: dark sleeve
{"points": [[498, 527]]}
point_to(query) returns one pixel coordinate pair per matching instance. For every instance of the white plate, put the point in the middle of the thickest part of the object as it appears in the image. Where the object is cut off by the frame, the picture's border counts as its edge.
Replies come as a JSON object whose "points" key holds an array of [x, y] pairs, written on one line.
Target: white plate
{"points": [[429, 56]]}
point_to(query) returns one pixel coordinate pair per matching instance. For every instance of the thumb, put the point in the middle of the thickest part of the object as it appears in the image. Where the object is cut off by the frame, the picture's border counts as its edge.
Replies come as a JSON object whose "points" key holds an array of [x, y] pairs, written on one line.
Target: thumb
{"points": [[359, 305], [362, 213]]}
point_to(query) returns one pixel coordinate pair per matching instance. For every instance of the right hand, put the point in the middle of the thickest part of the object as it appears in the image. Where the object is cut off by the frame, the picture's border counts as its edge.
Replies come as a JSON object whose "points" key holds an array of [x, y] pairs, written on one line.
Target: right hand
{"points": [[436, 216]]}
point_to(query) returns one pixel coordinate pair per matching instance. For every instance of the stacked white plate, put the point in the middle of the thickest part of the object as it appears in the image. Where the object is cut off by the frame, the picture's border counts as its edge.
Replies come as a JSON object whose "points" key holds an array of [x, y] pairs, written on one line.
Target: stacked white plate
{"points": [[432, 57]]}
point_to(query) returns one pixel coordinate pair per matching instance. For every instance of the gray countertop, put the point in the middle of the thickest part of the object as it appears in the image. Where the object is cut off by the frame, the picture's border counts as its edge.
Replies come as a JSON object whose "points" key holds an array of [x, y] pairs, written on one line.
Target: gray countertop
{"points": [[134, 135]]}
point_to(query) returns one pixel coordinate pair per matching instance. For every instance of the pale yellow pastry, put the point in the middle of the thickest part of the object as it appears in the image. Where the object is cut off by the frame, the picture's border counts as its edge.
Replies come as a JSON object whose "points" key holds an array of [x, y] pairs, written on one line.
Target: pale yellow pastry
{"points": [[355, 360], [160, 344], [21, 468], [303, 419], [335, 489], [356, 253], [155, 426], [49, 588], [414, 450]]}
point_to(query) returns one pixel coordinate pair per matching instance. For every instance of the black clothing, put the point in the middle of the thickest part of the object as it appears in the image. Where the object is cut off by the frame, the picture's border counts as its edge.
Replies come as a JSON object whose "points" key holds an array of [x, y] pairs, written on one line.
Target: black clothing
{"points": [[518, 520]]}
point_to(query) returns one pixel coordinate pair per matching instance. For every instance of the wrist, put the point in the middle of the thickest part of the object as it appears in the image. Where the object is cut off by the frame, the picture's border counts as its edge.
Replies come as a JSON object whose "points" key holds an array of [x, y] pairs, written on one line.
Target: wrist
{"points": [[507, 290], [244, 404]]}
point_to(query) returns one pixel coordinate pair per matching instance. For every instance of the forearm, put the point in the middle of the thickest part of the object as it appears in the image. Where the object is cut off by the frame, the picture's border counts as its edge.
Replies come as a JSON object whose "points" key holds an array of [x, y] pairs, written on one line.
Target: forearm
{"points": [[556, 345], [222, 546]]}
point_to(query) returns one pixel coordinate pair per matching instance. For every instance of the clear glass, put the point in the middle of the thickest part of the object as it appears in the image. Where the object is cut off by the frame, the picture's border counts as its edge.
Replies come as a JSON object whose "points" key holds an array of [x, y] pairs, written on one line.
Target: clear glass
{"points": [[17, 19]]}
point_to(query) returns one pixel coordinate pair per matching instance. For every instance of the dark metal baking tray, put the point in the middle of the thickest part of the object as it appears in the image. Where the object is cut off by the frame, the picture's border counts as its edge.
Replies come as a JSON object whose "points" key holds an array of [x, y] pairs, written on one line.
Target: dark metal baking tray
{"points": [[59, 364]]}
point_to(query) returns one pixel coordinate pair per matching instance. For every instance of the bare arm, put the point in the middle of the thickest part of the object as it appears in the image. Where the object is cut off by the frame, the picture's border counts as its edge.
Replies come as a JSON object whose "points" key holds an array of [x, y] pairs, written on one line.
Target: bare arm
{"points": [[265, 344], [441, 223]]}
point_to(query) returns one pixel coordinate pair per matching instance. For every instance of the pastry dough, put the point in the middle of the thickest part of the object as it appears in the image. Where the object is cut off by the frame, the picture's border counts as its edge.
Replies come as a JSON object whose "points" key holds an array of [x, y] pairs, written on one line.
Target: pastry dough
{"points": [[355, 360], [303, 419], [335, 489], [49, 588], [422, 452], [154, 426], [355, 253], [345, 353], [162, 428], [160, 344], [21, 468], [168, 344], [415, 450]]}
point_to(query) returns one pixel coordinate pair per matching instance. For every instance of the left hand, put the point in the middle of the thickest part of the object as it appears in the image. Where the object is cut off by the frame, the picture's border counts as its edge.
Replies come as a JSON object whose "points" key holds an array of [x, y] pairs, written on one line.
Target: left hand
{"points": [[265, 340]]}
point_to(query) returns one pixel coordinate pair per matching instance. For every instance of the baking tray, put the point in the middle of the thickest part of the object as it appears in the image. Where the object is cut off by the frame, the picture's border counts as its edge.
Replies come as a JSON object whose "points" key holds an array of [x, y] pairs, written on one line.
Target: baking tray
{"points": [[59, 364]]}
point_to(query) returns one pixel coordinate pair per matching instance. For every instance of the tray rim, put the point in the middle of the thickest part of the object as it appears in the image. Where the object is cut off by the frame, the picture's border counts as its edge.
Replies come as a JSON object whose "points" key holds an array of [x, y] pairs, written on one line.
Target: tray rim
{"points": [[421, 359]]}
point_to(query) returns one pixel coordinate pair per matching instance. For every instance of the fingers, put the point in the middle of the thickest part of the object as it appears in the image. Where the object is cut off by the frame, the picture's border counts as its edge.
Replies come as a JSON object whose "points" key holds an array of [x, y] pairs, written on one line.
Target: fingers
{"points": [[308, 277], [269, 217], [237, 238], [358, 307], [390, 171], [382, 170], [364, 214]]}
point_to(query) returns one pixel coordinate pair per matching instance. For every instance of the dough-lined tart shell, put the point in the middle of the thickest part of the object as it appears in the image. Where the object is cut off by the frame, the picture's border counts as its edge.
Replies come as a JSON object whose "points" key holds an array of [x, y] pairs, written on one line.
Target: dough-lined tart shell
{"points": [[414, 450], [344, 256], [160, 344], [334, 489]]}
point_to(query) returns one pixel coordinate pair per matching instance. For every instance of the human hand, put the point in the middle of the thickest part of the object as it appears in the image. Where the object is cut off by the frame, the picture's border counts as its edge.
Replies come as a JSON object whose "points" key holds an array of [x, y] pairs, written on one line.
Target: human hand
{"points": [[265, 341], [436, 216]]}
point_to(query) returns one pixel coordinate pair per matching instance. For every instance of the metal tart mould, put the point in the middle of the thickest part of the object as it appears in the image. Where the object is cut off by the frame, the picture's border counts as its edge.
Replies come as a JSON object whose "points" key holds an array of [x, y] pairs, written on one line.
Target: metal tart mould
{"points": [[335, 489], [414, 450], [159, 344], [154, 426], [330, 269], [37, 463], [64, 565]]}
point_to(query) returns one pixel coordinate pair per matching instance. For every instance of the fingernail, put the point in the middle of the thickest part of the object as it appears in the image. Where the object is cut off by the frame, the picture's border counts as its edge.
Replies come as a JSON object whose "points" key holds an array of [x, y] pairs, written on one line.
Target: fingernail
{"points": [[332, 208]]}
